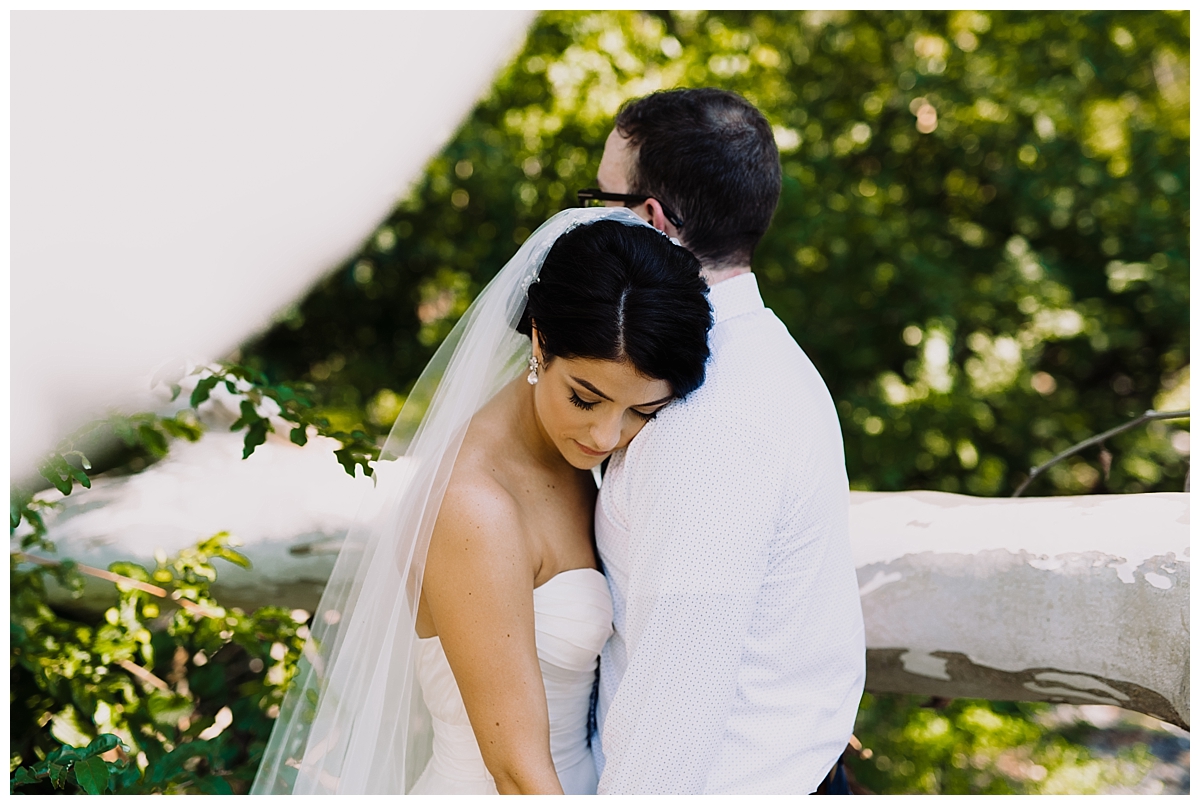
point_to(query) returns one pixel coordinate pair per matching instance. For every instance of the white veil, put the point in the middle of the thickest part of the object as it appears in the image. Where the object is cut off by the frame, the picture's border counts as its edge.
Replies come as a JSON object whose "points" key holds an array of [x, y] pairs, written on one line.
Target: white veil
{"points": [[353, 720]]}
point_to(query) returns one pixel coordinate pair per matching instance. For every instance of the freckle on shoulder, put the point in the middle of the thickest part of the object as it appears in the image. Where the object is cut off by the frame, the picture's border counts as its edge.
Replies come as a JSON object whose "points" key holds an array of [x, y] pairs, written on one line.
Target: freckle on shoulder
{"points": [[477, 503]]}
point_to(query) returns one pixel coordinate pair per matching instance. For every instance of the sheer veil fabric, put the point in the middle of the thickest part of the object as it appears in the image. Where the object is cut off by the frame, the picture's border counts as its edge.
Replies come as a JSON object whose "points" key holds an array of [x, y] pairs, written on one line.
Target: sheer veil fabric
{"points": [[353, 720]]}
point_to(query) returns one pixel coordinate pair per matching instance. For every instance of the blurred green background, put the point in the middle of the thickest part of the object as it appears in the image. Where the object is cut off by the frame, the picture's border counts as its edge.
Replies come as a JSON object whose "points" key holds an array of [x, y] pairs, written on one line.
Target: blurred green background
{"points": [[982, 243]]}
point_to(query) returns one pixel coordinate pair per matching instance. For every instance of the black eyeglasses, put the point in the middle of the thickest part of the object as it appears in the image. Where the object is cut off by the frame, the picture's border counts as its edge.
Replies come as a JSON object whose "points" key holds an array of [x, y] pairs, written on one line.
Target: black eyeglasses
{"points": [[596, 194]]}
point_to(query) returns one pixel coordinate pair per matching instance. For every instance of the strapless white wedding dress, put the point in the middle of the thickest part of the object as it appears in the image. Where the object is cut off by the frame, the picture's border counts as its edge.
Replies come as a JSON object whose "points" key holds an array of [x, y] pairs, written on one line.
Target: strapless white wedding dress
{"points": [[572, 620]]}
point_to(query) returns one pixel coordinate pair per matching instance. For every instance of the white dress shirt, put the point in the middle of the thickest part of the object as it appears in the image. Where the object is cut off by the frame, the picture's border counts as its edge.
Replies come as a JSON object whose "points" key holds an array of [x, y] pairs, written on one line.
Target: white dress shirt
{"points": [[737, 660]]}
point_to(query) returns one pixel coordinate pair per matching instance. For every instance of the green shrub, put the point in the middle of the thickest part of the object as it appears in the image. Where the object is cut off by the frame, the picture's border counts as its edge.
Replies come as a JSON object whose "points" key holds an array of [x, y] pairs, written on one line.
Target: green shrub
{"points": [[167, 691], [969, 746], [982, 242], [188, 688]]}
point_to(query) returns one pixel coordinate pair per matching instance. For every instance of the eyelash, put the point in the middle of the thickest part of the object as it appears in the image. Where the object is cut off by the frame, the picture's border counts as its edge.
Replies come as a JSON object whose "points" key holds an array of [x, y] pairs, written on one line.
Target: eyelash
{"points": [[579, 403], [587, 406]]}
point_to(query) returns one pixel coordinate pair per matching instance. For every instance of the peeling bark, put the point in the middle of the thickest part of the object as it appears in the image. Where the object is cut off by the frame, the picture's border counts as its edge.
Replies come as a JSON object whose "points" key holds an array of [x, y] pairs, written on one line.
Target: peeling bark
{"points": [[890, 670], [1082, 600]]}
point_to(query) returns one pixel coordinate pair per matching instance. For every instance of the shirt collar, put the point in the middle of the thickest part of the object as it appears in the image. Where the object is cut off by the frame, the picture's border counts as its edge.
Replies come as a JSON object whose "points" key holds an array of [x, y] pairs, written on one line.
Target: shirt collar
{"points": [[735, 296]]}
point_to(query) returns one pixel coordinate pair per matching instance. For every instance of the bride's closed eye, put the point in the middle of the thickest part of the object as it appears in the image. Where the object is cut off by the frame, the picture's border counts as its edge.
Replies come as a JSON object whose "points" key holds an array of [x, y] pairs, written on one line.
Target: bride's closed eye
{"points": [[580, 403], [584, 405], [649, 416]]}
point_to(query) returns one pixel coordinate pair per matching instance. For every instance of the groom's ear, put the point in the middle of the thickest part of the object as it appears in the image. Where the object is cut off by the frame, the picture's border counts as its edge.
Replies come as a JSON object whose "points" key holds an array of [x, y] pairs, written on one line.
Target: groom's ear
{"points": [[535, 340], [658, 220]]}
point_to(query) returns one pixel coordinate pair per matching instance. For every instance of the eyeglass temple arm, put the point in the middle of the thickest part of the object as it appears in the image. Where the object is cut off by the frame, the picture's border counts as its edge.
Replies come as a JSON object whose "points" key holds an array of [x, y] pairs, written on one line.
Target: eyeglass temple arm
{"points": [[600, 195]]}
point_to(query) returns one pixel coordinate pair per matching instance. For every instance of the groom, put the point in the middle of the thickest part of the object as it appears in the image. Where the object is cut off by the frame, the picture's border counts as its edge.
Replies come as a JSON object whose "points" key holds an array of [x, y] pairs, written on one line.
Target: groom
{"points": [[737, 661]]}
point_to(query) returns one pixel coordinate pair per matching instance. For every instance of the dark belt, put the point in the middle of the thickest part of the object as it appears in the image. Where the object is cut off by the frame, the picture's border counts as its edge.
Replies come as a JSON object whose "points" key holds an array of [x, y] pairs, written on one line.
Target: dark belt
{"points": [[835, 782]]}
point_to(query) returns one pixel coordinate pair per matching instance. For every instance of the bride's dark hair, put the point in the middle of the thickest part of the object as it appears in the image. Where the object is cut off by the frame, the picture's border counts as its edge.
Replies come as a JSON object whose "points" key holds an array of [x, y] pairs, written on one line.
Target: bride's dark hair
{"points": [[612, 291]]}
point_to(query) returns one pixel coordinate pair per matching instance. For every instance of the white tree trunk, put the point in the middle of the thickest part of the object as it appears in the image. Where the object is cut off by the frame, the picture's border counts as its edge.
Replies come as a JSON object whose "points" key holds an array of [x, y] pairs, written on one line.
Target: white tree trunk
{"points": [[1068, 599], [1072, 599]]}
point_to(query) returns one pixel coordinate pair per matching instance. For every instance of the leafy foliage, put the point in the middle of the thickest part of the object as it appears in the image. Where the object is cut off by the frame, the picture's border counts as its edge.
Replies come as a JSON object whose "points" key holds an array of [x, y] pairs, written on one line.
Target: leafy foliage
{"points": [[291, 402], [982, 240], [169, 678], [67, 466], [979, 747], [91, 772], [187, 688]]}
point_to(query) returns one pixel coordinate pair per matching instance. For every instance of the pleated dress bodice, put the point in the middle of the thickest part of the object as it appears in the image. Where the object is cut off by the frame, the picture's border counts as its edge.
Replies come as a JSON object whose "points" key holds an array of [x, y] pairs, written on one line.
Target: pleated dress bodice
{"points": [[572, 621]]}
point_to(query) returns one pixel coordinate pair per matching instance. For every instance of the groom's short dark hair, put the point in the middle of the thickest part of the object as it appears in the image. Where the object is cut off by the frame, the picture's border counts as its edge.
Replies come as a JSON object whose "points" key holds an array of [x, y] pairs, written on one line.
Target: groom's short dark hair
{"points": [[709, 155]]}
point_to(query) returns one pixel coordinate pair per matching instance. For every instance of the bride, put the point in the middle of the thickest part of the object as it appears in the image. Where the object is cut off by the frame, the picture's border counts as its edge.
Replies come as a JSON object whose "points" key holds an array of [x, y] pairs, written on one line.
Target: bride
{"points": [[456, 644]]}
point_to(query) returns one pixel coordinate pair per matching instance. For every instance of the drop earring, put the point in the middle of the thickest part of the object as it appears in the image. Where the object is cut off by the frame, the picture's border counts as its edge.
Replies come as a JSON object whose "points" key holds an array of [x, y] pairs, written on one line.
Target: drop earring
{"points": [[532, 377]]}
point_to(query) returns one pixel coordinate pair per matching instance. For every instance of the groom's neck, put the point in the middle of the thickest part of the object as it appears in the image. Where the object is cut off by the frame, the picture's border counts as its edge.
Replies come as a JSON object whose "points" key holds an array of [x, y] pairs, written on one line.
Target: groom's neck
{"points": [[714, 275]]}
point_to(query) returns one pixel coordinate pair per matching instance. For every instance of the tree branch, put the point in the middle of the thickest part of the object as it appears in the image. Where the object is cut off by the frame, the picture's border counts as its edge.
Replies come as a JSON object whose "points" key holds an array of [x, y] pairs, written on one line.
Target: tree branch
{"points": [[97, 572], [142, 674], [190, 606], [1149, 416]]}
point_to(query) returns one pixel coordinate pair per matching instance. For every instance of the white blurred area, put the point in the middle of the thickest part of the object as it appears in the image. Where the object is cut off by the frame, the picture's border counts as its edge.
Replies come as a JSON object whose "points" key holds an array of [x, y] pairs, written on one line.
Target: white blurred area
{"points": [[178, 178]]}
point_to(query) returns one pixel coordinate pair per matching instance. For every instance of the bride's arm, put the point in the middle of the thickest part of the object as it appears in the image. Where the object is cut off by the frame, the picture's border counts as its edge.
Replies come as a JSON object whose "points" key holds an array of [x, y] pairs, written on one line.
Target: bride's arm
{"points": [[479, 591]]}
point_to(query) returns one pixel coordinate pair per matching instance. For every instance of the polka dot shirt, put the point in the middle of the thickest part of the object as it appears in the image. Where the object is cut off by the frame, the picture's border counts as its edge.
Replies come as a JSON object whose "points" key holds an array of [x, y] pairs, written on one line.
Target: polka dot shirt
{"points": [[737, 660]]}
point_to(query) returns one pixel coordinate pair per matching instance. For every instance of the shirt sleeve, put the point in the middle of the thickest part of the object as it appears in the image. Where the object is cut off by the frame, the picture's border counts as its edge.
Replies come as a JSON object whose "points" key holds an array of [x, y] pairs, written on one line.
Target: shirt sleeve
{"points": [[701, 518]]}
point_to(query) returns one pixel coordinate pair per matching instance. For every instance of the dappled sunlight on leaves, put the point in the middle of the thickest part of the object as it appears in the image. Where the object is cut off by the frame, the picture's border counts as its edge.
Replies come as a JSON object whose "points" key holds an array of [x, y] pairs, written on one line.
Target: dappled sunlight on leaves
{"points": [[1018, 177], [977, 747]]}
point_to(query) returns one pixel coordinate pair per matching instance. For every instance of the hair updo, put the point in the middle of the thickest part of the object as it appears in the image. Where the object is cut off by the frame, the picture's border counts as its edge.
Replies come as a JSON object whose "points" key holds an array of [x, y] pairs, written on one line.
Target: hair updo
{"points": [[618, 292]]}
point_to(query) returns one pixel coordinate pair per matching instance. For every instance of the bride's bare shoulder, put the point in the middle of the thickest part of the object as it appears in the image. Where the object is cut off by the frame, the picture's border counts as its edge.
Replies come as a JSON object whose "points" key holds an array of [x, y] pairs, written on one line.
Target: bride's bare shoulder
{"points": [[476, 489], [479, 515]]}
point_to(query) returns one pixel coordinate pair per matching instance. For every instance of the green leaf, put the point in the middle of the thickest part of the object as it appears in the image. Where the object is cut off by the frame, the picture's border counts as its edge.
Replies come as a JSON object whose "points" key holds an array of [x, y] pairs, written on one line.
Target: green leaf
{"points": [[299, 435], [69, 576], [103, 743], [24, 777], [16, 510], [53, 472], [255, 435], [63, 472], [92, 775], [130, 569], [250, 373], [167, 767], [166, 708], [203, 389], [154, 441], [82, 477], [213, 785], [249, 415], [121, 428], [122, 777], [182, 428], [346, 458], [17, 634], [58, 775], [234, 557]]}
